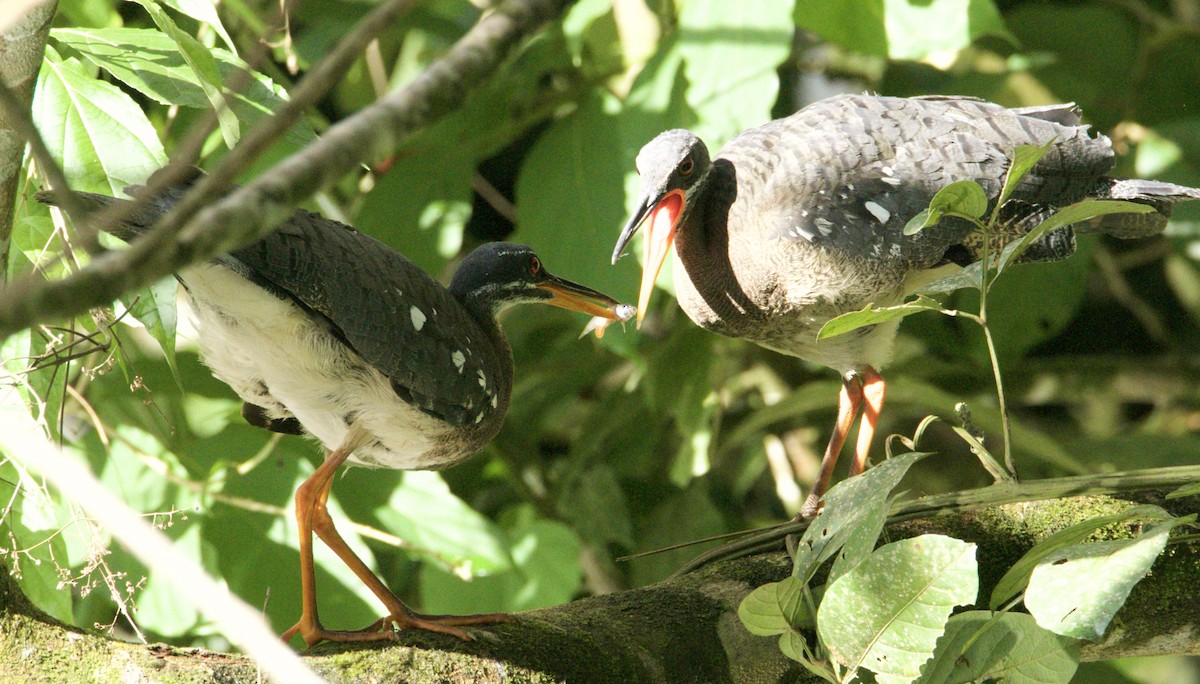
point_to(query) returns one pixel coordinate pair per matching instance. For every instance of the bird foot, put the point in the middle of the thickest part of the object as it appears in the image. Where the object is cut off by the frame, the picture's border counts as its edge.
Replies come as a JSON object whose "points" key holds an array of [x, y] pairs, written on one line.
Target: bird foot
{"points": [[810, 509], [385, 628]]}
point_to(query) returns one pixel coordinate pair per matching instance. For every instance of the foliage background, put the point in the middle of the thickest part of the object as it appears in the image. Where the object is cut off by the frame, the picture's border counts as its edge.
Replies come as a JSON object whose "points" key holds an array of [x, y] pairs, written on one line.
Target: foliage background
{"points": [[637, 440]]}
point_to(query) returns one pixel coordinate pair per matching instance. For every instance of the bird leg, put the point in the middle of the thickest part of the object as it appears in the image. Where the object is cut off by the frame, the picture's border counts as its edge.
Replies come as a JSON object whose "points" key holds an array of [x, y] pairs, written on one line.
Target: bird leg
{"points": [[873, 388], [849, 400], [312, 515]]}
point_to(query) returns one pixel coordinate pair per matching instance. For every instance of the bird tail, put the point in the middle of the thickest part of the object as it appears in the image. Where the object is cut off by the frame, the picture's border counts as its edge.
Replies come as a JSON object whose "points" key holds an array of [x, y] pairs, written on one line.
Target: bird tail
{"points": [[135, 217], [1162, 196]]}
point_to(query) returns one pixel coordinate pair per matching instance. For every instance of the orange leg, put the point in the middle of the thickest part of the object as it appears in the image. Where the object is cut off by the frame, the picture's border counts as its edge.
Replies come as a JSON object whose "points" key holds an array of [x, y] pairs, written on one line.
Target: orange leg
{"points": [[849, 400], [873, 388], [312, 515]]}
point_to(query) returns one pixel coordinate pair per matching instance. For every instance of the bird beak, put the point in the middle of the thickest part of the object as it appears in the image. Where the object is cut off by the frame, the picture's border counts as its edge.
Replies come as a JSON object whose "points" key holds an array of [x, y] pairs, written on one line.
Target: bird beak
{"points": [[576, 297], [663, 218]]}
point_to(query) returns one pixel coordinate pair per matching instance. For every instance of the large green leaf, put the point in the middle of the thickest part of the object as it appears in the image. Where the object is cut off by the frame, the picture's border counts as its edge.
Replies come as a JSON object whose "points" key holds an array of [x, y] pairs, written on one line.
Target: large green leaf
{"points": [[161, 608], [888, 612], [571, 184], [1097, 79], [30, 520], [204, 69], [32, 528], [682, 516], [849, 505], [1077, 590], [1014, 581], [732, 51], [979, 646], [594, 503], [443, 528], [1017, 324], [901, 29], [150, 62], [545, 571], [93, 129]]}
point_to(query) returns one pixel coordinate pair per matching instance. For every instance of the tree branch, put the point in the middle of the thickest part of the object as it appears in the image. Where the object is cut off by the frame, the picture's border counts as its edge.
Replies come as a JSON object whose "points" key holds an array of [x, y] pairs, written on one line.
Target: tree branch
{"points": [[251, 211], [21, 45], [682, 630]]}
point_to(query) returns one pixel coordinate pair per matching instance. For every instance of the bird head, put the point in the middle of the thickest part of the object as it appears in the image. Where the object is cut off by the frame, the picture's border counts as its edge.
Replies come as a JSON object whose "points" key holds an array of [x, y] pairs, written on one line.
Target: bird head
{"points": [[499, 274], [672, 167]]}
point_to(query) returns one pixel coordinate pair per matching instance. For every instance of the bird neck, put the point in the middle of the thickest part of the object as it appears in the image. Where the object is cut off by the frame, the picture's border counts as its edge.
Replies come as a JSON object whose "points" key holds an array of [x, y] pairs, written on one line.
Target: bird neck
{"points": [[484, 309], [709, 285]]}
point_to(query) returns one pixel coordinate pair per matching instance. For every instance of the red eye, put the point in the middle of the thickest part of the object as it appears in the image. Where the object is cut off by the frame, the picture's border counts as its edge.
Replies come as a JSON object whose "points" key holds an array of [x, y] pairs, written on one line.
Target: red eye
{"points": [[535, 266], [686, 166]]}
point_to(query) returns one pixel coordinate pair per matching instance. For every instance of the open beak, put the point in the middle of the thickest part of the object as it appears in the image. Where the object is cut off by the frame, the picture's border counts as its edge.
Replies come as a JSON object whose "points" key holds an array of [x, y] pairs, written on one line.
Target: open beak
{"points": [[576, 297], [662, 218]]}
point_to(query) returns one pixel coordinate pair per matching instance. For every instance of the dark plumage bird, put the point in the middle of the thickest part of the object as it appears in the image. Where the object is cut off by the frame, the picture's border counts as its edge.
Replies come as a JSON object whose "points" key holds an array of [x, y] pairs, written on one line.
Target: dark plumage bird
{"points": [[801, 220], [325, 331]]}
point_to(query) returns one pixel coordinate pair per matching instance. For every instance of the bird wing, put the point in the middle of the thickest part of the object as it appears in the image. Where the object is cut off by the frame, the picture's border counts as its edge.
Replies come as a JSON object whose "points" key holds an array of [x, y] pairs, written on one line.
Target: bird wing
{"points": [[381, 305], [847, 173]]}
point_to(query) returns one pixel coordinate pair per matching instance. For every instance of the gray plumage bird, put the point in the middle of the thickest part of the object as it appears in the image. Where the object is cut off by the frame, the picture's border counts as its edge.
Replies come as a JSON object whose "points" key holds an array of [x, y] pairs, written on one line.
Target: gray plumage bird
{"points": [[801, 219], [325, 331]]}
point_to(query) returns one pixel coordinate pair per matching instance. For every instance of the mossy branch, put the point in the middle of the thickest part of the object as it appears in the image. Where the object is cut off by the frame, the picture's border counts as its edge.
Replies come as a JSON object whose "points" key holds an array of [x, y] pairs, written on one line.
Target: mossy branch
{"points": [[682, 630]]}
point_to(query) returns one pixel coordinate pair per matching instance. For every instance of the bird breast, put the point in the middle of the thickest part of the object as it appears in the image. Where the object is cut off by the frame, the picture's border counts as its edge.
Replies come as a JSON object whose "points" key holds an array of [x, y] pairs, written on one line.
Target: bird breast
{"points": [[783, 305]]}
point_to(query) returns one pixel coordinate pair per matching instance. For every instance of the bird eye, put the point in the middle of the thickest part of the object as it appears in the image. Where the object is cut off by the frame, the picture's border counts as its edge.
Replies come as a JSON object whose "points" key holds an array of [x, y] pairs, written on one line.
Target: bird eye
{"points": [[535, 266], [686, 166]]}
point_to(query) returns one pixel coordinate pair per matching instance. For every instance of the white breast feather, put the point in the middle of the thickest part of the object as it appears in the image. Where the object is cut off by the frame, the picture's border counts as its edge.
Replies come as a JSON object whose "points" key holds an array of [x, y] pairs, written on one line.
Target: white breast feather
{"points": [[250, 338]]}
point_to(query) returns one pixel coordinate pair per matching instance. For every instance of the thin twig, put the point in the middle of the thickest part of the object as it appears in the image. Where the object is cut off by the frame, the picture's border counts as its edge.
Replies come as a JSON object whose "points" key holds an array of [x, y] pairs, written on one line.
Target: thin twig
{"points": [[251, 211]]}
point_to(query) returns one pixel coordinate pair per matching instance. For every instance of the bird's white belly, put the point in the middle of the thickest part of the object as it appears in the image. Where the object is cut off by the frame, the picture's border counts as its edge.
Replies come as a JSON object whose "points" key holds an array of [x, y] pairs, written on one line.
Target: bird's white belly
{"points": [[273, 355]]}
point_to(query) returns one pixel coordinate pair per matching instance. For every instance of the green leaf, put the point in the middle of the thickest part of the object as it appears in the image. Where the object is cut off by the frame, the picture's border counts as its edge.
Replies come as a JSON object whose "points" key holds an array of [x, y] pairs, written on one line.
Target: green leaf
{"points": [[859, 539], [151, 63], [202, 64], [792, 605], [1075, 213], [731, 52], [761, 613], [965, 278], [1024, 158], [870, 315], [545, 571], [594, 503], [93, 129], [886, 614], [792, 644], [162, 608], [683, 516], [964, 197], [900, 29], [922, 220], [1192, 489], [442, 527], [959, 23], [204, 11], [154, 308], [32, 525], [1077, 590], [849, 505], [1014, 581], [1009, 648], [571, 171]]}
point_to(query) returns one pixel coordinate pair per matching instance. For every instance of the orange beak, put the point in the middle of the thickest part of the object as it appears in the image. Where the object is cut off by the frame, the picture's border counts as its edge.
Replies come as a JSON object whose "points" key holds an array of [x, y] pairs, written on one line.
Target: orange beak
{"points": [[662, 220], [576, 297]]}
